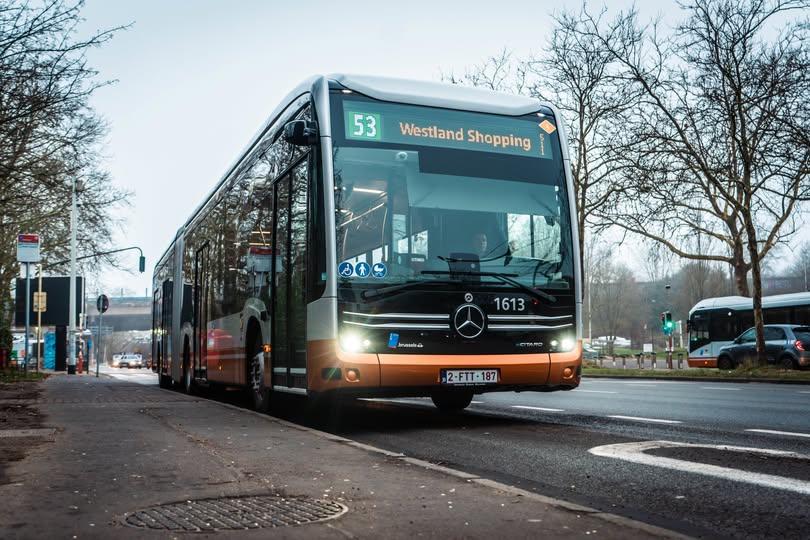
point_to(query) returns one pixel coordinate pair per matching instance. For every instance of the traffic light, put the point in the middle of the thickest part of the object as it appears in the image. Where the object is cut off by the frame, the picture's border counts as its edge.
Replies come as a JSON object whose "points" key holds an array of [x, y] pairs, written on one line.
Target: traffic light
{"points": [[666, 323], [142, 264]]}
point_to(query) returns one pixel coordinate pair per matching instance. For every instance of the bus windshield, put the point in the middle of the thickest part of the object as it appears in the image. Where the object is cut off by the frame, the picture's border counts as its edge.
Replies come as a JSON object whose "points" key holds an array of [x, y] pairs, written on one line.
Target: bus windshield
{"points": [[424, 194]]}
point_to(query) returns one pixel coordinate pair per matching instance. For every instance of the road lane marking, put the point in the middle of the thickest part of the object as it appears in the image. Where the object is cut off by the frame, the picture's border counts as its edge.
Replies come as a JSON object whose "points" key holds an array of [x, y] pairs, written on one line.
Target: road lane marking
{"points": [[773, 432], [717, 388], [596, 391], [634, 452], [642, 419], [804, 391], [546, 409], [473, 402]]}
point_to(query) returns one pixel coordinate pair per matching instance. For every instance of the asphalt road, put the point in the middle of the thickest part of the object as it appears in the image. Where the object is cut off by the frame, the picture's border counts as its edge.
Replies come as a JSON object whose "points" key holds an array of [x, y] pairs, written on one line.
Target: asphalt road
{"points": [[600, 446]]}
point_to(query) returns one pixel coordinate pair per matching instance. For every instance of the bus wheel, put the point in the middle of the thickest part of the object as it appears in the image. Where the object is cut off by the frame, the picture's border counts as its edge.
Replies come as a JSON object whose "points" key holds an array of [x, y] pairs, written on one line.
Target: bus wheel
{"points": [[259, 393], [452, 401], [724, 362], [188, 376], [788, 363]]}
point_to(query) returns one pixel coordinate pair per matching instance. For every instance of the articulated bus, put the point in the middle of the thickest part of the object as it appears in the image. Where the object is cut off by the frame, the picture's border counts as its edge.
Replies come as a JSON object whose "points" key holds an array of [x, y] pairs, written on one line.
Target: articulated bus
{"points": [[716, 322], [380, 237]]}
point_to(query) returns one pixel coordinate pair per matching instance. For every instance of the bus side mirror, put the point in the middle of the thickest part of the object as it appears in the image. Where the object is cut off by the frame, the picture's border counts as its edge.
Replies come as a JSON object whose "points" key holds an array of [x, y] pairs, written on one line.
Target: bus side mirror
{"points": [[301, 132]]}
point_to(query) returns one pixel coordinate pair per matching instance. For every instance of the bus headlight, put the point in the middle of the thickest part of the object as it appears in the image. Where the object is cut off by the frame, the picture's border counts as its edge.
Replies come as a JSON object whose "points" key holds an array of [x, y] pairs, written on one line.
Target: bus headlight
{"points": [[353, 342], [563, 345]]}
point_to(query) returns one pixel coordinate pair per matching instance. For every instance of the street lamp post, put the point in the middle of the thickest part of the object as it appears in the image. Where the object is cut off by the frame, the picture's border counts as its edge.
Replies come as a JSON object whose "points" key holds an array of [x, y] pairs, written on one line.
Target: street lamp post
{"points": [[71, 367]]}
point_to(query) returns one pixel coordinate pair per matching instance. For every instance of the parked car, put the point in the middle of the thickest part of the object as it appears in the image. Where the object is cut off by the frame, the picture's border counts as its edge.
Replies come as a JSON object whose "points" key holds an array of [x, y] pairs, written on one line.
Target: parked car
{"points": [[131, 360], [116, 359], [589, 353], [785, 344]]}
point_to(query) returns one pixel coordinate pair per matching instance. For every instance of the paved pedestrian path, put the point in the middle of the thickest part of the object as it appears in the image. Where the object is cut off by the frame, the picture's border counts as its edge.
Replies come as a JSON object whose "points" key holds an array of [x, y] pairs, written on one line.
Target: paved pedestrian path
{"points": [[120, 450]]}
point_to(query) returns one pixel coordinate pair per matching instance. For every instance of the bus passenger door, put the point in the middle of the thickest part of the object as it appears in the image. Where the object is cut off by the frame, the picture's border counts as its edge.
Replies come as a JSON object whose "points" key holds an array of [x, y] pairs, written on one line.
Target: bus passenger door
{"points": [[280, 332], [289, 297], [201, 311]]}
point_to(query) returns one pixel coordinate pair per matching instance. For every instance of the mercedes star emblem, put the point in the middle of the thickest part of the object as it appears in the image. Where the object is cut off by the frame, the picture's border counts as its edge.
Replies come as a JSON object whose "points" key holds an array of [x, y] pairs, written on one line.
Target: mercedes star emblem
{"points": [[469, 321], [468, 297]]}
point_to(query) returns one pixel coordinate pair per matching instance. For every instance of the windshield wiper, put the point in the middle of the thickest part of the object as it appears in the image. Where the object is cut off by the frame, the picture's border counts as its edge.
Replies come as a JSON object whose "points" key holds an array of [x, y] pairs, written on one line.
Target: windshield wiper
{"points": [[382, 291], [506, 256], [504, 278]]}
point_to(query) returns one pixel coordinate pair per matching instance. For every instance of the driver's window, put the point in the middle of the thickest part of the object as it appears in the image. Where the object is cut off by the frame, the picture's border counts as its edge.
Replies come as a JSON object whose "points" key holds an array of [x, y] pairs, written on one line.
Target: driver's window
{"points": [[749, 336]]}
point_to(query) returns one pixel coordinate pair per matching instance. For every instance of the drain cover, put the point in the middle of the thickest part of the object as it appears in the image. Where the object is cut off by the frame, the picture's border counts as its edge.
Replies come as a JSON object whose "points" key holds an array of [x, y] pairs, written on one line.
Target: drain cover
{"points": [[235, 513]]}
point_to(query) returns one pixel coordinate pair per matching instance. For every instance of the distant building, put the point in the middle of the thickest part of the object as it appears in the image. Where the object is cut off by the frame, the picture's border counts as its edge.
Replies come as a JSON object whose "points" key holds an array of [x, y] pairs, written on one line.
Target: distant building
{"points": [[125, 313]]}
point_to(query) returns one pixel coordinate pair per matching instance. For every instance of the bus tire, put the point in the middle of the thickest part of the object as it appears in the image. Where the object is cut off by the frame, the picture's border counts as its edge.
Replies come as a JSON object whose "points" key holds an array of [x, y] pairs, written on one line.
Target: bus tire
{"points": [[259, 393], [188, 376], [724, 362], [788, 362], [452, 400]]}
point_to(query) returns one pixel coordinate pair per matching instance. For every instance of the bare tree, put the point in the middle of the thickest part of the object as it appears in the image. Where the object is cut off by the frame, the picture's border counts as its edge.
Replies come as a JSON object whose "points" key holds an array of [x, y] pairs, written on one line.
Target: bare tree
{"points": [[658, 261], [717, 144], [576, 74], [800, 268], [615, 302], [499, 73], [49, 135]]}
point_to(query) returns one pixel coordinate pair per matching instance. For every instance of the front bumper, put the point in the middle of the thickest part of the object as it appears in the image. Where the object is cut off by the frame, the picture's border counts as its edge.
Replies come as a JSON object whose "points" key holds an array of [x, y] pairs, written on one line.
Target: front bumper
{"points": [[419, 374], [700, 362]]}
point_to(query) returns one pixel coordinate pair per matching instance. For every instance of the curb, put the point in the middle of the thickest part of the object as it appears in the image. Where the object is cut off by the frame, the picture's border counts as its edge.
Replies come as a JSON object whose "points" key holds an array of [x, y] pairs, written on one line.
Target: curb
{"points": [[614, 519], [704, 379]]}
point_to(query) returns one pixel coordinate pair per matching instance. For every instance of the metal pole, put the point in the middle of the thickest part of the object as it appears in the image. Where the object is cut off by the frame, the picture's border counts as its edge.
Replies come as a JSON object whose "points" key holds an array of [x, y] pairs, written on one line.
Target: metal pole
{"points": [[98, 342], [27, 311], [39, 320], [71, 367]]}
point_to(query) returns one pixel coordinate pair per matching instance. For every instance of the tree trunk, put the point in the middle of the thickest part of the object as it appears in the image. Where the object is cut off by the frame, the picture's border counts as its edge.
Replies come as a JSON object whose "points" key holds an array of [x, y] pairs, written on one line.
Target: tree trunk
{"points": [[756, 278], [741, 277]]}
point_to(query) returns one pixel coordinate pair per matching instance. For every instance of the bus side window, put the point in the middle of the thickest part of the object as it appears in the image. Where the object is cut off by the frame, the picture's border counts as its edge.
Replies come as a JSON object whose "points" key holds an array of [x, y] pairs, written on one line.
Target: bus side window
{"points": [[802, 315], [698, 330], [722, 327], [777, 316]]}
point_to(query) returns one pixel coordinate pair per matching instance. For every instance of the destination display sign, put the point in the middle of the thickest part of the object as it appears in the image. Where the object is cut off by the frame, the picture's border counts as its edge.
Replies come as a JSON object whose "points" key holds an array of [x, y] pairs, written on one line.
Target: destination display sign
{"points": [[405, 124]]}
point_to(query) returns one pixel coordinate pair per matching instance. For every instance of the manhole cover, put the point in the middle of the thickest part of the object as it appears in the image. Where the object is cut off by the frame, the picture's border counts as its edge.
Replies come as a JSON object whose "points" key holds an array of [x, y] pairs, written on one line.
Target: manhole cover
{"points": [[235, 513]]}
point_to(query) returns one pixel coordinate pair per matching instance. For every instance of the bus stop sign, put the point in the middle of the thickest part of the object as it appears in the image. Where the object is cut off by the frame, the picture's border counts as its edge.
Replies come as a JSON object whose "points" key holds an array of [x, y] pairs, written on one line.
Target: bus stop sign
{"points": [[28, 248], [103, 303]]}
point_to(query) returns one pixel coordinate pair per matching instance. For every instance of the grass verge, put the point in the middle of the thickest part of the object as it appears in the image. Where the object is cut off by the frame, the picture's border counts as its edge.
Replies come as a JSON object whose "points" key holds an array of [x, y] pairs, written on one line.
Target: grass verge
{"points": [[741, 373], [15, 375]]}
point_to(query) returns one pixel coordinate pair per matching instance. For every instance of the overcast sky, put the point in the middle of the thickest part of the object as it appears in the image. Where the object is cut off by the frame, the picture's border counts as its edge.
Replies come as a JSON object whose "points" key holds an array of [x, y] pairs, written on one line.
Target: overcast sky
{"points": [[197, 78]]}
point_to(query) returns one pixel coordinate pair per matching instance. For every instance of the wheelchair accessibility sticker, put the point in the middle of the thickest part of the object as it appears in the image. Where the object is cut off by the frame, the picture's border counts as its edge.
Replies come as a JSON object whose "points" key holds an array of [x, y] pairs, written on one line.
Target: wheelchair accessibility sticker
{"points": [[345, 269]]}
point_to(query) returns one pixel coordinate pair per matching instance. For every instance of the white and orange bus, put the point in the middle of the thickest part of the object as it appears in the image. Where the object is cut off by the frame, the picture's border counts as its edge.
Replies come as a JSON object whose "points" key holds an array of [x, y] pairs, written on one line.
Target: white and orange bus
{"points": [[715, 322], [381, 237]]}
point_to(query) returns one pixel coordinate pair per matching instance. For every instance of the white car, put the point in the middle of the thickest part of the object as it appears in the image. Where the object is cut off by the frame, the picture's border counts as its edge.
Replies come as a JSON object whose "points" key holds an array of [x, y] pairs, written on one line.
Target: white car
{"points": [[131, 360], [116, 359]]}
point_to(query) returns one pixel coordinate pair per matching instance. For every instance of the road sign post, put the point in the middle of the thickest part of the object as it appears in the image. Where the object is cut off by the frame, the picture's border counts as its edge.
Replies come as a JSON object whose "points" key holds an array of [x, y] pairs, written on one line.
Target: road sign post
{"points": [[40, 305], [102, 304], [27, 252], [27, 312]]}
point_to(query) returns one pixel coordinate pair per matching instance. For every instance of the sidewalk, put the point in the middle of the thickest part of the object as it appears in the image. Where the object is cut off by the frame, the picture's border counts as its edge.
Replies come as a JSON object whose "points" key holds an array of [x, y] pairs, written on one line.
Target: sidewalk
{"points": [[120, 448]]}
